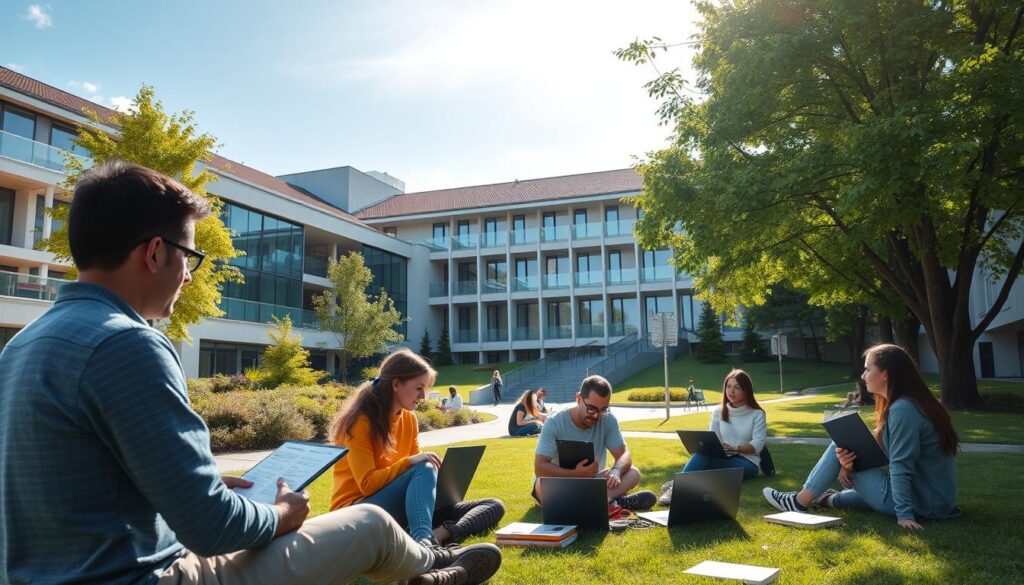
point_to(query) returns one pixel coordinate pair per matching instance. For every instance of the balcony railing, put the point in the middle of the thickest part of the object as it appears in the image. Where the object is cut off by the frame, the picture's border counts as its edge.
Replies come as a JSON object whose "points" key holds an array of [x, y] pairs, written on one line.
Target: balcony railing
{"points": [[525, 333], [657, 273], [315, 265], [522, 283], [26, 286], [558, 332], [35, 153], [622, 276], [465, 287], [560, 280], [466, 336], [590, 330], [464, 241], [558, 233], [524, 236], [252, 311], [493, 239], [588, 278], [494, 286], [616, 329], [586, 231], [495, 334], [622, 227], [439, 244], [439, 289]]}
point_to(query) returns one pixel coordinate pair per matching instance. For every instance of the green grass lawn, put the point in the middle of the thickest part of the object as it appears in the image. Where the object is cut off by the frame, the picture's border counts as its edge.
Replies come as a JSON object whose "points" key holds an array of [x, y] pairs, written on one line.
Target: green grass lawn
{"points": [[803, 417], [466, 377], [980, 547], [796, 374]]}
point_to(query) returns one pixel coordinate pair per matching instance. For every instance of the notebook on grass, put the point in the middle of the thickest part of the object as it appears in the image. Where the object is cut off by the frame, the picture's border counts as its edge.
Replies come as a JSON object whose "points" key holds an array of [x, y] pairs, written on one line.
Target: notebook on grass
{"points": [[750, 574], [802, 520]]}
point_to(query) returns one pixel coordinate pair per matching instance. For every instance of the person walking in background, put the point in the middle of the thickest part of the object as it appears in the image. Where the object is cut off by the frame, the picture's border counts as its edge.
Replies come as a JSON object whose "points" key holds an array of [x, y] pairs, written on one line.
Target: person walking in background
{"points": [[496, 385]]}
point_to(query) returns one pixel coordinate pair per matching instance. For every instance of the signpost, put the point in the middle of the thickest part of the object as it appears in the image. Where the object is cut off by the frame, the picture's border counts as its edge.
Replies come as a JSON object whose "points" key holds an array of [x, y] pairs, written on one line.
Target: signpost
{"points": [[780, 347], [665, 334]]}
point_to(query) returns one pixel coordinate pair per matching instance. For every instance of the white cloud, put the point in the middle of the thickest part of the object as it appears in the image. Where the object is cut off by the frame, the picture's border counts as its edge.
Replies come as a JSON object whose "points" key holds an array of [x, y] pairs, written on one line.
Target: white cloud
{"points": [[15, 67], [38, 15], [122, 104], [87, 86]]}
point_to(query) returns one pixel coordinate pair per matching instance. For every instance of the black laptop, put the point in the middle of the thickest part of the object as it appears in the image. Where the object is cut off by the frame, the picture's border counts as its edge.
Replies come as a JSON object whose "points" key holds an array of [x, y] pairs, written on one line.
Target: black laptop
{"points": [[698, 496], [456, 473], [849, 432], [706, 443], [579, 501], [570, 453]]}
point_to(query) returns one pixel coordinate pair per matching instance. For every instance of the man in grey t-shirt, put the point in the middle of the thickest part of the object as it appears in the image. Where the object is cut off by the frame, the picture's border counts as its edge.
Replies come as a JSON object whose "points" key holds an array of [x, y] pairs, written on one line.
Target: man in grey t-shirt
{"points": [[591, 421]]}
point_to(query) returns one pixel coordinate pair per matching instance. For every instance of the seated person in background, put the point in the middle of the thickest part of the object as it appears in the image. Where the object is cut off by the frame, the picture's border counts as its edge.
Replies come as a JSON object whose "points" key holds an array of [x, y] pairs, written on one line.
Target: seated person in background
{"points": [[740, 424], [691, 392], [385, 466], [591, 421], [519, 425], [859, 397], [454, 401], [541, 395], [914, 430]]}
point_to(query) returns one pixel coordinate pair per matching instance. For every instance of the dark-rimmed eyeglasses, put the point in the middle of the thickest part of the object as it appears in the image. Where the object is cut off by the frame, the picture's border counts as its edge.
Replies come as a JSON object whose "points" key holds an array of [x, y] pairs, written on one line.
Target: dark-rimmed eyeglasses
{"points": [[193, 258], [595, 411]]}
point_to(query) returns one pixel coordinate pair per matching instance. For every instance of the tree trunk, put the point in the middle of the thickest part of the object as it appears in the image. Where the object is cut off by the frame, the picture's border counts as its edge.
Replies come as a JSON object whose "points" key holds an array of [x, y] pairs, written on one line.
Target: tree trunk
{"points": [[956, 372], [857, 340], [908, 334], [814, 341], [885, 330]]}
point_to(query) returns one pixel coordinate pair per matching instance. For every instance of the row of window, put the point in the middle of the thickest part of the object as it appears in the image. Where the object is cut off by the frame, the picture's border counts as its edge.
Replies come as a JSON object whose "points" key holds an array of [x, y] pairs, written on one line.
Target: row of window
{"points": [[21, 122], [526, 269], [491, 225]]}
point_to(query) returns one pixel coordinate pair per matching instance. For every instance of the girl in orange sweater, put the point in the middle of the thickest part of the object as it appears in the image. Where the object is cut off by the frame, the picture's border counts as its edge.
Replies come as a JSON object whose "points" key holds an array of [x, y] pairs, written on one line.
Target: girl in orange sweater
{"points": [[384, 465]]}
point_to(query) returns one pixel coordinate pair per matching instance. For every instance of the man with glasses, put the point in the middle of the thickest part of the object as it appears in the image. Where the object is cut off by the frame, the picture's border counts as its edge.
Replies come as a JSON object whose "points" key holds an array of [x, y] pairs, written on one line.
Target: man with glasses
{"points": [[591, 421], [107, 475]]}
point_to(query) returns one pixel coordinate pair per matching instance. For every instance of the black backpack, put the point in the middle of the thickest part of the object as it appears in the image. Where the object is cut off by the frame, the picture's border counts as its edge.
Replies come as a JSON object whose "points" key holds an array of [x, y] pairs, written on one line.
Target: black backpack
{"points": [[767, 465]]}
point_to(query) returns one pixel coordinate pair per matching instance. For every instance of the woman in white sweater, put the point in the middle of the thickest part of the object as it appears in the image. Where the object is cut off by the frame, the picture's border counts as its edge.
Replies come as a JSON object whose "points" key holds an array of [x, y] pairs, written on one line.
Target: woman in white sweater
{"points": [[741, 426]]}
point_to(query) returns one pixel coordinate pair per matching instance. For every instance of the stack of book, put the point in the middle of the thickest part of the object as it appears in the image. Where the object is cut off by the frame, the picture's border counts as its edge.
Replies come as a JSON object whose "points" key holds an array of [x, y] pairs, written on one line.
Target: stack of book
{"points": [[544, 535]]}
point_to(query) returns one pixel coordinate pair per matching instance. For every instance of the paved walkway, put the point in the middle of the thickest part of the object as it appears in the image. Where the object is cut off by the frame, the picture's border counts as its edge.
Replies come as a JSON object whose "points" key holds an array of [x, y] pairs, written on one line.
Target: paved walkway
{"points": [[243, 460]]}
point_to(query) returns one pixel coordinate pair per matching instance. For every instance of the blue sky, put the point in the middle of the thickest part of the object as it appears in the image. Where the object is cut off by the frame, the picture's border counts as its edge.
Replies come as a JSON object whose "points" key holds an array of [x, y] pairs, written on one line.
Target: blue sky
{"points": [[439, 94]]}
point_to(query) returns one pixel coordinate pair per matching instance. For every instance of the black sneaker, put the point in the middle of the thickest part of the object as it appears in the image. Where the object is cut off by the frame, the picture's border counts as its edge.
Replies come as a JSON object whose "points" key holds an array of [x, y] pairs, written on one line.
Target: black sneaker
{"points": [[637, 501], [782, 501], [474, 564]]}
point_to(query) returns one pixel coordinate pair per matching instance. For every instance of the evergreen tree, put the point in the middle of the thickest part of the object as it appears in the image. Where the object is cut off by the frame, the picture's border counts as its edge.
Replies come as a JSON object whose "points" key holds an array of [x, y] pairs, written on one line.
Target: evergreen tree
{"points": [[425, 346], [444, 350], [753, 346], [710, 346], [285, 361]]}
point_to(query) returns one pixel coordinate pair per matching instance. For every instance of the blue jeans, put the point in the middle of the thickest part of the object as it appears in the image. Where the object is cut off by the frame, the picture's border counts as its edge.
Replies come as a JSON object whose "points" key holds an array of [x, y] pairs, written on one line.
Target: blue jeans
{"points": [[527, 430], [870, 488], [409, 499], [700, 462]]}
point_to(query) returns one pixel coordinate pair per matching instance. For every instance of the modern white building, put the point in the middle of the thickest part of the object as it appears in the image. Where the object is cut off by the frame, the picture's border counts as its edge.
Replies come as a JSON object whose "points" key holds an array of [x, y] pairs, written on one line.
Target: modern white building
{"points": [[511, 270]]}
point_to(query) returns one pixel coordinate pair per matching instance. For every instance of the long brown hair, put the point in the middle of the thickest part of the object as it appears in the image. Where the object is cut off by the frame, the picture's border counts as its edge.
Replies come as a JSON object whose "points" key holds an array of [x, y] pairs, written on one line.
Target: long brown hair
{"points": [[529, 401], [375, 399], [746, 384], [905, 381]]}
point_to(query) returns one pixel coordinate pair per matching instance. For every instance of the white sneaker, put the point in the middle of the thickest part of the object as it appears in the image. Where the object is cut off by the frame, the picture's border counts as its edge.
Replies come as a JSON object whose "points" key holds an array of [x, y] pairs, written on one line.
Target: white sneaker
{"points": [[665, 498]]}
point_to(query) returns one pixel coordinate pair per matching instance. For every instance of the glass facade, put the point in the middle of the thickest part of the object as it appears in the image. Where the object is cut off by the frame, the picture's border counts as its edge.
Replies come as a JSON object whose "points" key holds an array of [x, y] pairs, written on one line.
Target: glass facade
{"points": [[6, 215], [625, 317], [272, 267], [55, 224], [226, 358], [390, 273]]}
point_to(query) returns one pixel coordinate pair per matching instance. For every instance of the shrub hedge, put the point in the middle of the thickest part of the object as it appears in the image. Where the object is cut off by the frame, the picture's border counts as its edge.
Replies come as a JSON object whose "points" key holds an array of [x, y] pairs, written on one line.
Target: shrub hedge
{"points": [[657, 395]]}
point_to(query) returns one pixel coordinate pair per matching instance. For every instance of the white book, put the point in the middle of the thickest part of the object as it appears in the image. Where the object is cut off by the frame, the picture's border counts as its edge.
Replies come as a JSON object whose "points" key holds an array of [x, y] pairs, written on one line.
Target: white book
{"points": [[531, 531], [505, 541], [803, 520], [750, 574]]}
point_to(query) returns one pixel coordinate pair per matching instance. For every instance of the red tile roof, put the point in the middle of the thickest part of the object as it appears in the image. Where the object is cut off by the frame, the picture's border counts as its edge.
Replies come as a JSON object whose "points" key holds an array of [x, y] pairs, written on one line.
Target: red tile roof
{"points": [[547, 189], [51, 95]]}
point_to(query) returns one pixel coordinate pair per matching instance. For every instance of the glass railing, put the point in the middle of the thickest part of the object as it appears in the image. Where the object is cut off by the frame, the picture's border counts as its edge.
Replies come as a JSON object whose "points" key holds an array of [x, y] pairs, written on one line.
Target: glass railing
{"points": [[622, 276], [558, 332], [525, 283], [556, 280], [622, 227], [466, 336], [586, 231], [493, 239], [464, 241], [495, 334], [657, 273], [35, 153], [317, 266], [465, 287], [494, 286], [26, 286], [589, 278], [590, 330], [558, 233], [439, 289], [524, 236], [252, 311], [437, 244], [525, 333], [615, 329]]}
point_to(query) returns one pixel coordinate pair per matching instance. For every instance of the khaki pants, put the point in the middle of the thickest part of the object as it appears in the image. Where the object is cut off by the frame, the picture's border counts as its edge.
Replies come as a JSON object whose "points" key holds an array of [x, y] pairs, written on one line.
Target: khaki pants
{"points": [[334, 548]]}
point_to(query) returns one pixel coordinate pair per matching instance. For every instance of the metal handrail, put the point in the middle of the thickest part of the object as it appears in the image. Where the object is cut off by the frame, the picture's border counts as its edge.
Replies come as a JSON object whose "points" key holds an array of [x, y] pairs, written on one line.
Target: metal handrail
{"points": [[544, 364], [630, 347]]}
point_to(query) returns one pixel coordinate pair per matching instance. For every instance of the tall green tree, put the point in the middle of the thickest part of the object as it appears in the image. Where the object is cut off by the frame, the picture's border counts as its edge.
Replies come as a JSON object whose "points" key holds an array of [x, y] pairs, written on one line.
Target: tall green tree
{"points": [[710, 345], [284, 361], [753, 346], [444, 349], [425, 350], [363, 320], [880, 142], [786, 309], [170, 144]]}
